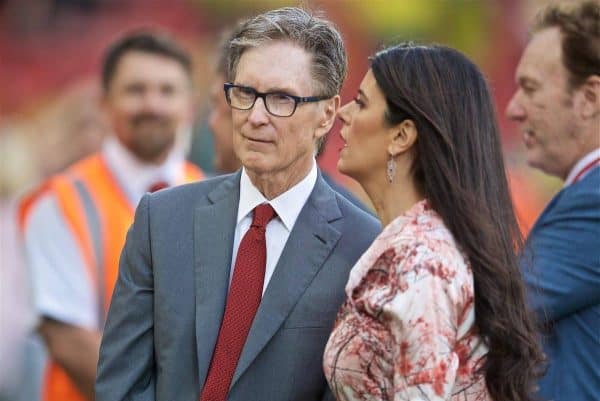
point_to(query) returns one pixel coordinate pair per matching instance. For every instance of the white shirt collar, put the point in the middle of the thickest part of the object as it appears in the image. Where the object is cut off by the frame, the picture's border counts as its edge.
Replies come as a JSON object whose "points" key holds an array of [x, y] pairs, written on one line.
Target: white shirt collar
{"points": [[136, 176], [287, 205], [581, 164]]}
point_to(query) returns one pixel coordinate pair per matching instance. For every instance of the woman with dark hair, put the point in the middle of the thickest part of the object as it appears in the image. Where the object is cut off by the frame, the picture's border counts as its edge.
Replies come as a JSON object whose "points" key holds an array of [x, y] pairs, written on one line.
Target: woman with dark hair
{"points": [[435, 308]]}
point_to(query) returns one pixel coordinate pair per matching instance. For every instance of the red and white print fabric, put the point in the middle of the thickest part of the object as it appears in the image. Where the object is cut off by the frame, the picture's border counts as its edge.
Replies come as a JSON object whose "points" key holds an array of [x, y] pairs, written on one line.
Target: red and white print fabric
{"points": [[407, 330]]}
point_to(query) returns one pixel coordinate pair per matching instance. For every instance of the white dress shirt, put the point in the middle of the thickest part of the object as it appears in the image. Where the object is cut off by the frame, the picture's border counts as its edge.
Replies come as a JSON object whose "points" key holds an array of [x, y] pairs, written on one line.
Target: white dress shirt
{"points": [[287, 206], [136, 177], [580, 165]]}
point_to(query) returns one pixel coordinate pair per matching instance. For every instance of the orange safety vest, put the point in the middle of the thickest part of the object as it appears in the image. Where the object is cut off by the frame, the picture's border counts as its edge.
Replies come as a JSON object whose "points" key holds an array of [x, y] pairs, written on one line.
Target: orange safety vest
{"points": [[98, 213]]}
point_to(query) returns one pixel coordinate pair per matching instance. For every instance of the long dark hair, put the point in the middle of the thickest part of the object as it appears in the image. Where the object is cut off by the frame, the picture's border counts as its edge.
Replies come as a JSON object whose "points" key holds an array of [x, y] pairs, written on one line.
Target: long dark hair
{"points": [[458, 166]]}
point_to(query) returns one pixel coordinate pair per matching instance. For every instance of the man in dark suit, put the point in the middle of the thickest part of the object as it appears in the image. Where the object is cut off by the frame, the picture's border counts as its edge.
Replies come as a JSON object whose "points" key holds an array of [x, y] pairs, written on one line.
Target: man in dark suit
{"points": [[228, 288], [558, 107]]}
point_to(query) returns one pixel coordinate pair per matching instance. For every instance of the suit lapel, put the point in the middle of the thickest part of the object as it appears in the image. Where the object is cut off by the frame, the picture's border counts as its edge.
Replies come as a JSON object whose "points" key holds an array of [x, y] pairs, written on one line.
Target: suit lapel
{"points": [[590, 178], [540, 221], [214, 226], [295, 270]]}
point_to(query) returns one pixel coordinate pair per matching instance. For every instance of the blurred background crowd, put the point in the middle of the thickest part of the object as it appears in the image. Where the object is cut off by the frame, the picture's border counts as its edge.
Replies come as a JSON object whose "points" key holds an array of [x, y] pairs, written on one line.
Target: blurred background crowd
{"points": [[50, 53]]}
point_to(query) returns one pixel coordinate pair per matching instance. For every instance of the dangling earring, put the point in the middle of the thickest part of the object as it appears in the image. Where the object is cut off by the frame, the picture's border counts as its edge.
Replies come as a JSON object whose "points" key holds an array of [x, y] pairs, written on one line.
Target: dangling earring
{"points": [[391, 169]]}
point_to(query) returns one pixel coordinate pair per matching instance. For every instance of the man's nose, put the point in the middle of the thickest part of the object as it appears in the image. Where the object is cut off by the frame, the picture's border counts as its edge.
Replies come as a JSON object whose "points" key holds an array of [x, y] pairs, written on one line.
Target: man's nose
{"points": [[514, 109], [153, 101], [258, 113]]}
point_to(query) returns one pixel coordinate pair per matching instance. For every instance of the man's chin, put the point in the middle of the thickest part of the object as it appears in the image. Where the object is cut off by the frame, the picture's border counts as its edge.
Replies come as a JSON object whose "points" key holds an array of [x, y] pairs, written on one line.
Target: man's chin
{"points": [[152, 154], [533, 163], [538, 164], [257, 167]]}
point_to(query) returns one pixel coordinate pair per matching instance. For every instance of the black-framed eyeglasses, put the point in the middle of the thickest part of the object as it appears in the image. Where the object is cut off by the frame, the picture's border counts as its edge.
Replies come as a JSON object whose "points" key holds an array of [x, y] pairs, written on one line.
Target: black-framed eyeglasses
{"points": [[279, 104]]}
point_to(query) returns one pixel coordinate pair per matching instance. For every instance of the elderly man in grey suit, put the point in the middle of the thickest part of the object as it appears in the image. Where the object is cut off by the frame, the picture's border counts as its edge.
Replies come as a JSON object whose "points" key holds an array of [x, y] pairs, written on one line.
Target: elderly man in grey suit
{"points": [[228, 288]]}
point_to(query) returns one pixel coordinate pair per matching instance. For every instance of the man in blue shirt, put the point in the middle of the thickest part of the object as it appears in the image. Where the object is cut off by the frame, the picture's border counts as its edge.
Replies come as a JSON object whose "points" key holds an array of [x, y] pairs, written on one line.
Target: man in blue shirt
{"points": [[557, 105]]}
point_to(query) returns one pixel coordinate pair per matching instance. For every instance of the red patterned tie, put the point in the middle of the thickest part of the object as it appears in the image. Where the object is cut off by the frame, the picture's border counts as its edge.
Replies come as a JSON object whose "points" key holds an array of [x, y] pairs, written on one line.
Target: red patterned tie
{"points": [[157, 186], [244, 297]]}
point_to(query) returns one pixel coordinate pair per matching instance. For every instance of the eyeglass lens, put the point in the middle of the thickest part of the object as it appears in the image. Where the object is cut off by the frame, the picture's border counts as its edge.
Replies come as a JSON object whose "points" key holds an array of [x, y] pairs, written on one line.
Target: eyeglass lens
{"points": [[278, 104]]}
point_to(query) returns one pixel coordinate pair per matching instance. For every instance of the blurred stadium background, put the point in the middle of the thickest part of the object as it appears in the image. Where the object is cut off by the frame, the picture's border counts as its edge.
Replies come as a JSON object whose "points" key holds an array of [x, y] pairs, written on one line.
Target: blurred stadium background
{"points": [[50, 53]]}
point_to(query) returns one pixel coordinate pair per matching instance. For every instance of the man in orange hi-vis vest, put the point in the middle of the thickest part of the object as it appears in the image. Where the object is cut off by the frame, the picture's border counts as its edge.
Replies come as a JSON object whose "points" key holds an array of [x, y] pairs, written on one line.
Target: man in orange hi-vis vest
{"points": [[74, 226]]}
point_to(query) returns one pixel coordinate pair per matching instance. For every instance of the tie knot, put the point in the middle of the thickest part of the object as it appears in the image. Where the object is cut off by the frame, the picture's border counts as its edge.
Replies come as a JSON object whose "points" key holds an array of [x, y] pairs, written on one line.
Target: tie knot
{"points": [[262, 215], [157, 186]]}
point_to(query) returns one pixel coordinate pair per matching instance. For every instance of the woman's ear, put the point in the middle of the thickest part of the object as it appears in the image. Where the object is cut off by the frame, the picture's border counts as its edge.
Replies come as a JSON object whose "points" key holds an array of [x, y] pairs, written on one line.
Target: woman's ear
{"points": [[403, 137]]}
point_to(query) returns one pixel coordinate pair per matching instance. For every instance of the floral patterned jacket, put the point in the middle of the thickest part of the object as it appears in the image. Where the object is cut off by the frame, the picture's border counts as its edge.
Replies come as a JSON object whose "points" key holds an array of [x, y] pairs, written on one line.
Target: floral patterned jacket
{"points": [[407, 330]]}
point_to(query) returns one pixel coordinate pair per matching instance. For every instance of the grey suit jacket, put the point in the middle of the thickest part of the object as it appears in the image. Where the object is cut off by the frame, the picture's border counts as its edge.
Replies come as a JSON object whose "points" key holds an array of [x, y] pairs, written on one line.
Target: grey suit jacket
{"points": [[170, 296]]}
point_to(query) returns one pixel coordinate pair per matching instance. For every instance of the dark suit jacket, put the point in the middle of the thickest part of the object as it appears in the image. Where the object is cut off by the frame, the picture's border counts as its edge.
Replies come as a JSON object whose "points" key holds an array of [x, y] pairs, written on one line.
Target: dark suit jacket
{"points": [[561, 267], [170, 296]]}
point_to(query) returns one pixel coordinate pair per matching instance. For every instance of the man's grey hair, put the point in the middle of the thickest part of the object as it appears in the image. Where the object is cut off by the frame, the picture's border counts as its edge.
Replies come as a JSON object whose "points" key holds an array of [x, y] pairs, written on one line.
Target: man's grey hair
{"points": [[319, 37]]}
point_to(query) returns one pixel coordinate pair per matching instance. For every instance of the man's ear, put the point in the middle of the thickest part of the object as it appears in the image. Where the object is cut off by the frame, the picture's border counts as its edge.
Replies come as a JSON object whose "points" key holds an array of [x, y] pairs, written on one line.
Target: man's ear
{"points": [[328, 114], [403, 136], [587, 101], [191, 108], [103, 104], [104, 99]]}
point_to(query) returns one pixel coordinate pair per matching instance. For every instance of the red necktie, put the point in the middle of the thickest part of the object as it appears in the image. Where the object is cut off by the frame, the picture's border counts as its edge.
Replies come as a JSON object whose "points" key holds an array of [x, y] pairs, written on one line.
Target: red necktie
{"points": [[157, 186], [243, 299]]}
